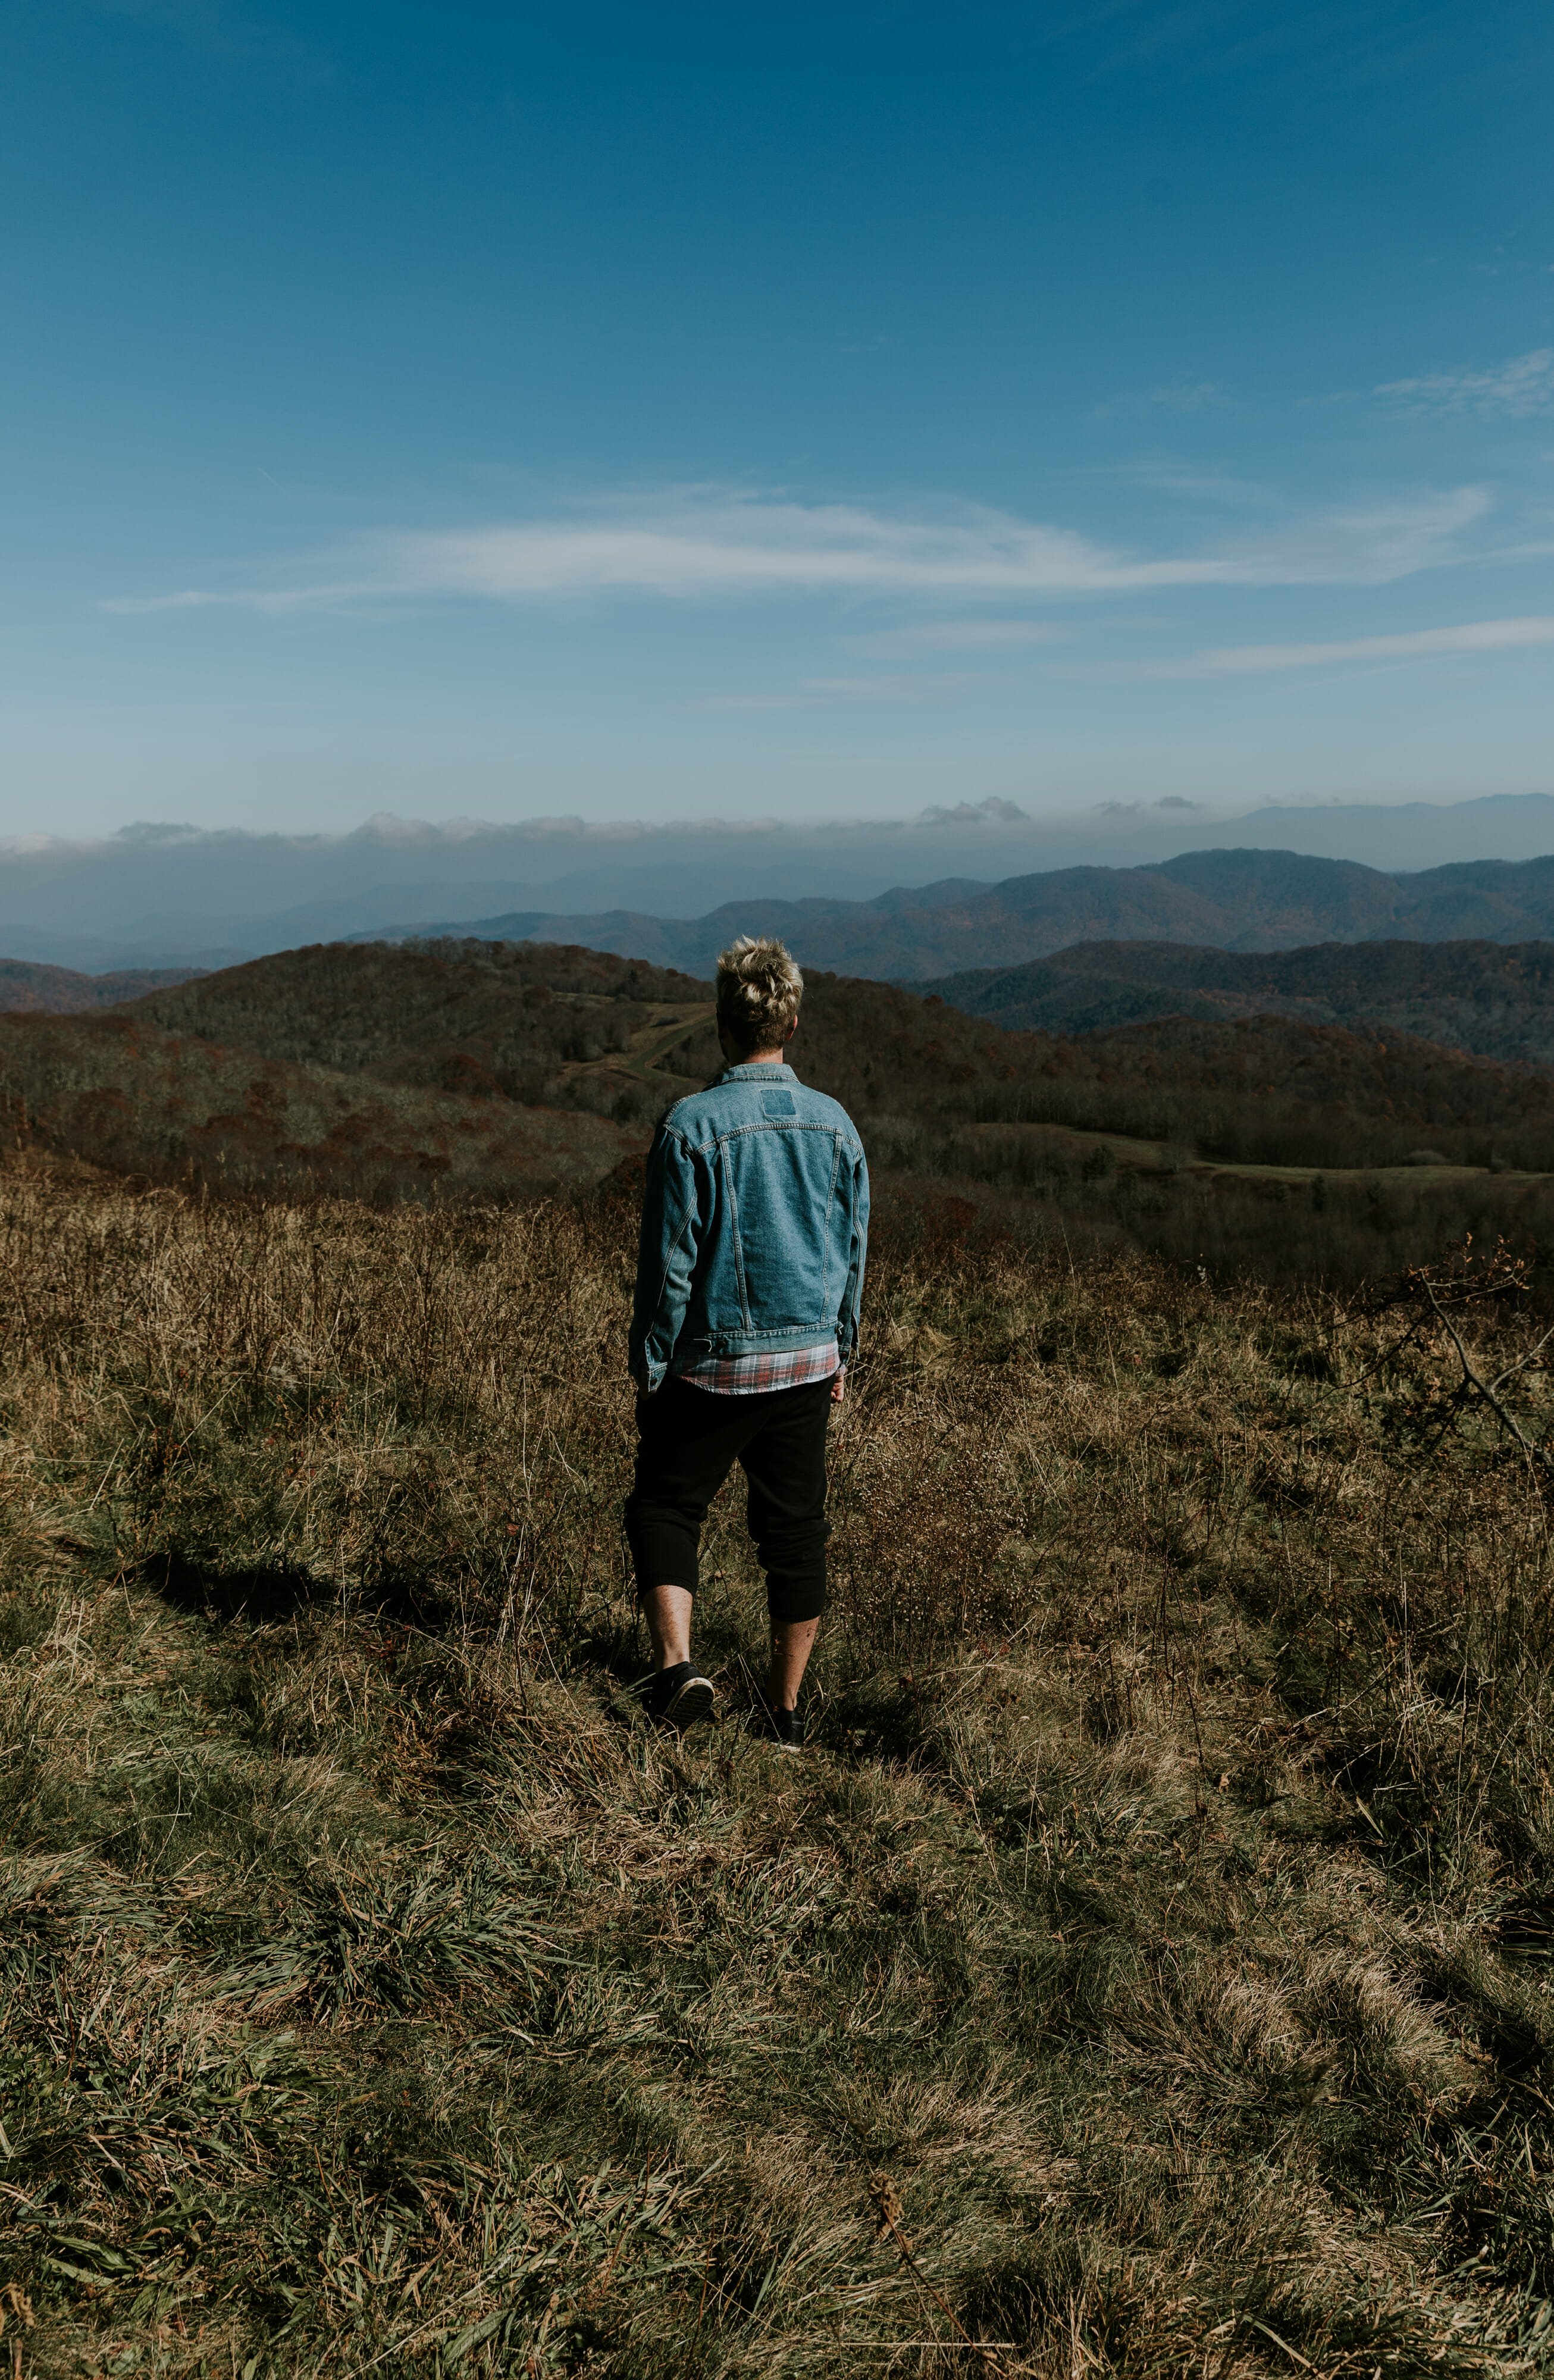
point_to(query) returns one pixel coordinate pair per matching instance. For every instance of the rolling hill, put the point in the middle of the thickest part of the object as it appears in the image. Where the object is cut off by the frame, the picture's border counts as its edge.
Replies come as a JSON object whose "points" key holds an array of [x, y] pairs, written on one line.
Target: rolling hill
{"points": [[487, 1021], [1234, 900], [165, 893], [504, 1024], [1492, 999], [33, 988], [492, 1074], [118, 1093]]}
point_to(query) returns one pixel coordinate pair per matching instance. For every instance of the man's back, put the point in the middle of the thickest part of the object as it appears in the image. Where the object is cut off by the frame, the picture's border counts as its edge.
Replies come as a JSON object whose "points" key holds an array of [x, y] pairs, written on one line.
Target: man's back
{"points": [[754, 1224]]}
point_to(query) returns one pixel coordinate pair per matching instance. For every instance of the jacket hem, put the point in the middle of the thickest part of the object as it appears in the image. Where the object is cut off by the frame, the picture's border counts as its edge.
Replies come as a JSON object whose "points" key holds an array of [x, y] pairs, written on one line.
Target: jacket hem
{"points": [[751, 1342]]}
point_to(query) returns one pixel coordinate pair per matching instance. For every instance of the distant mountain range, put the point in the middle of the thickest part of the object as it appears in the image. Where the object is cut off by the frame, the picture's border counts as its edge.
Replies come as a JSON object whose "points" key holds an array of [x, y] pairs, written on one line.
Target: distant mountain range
{"points": [[1492, 999], [168, 895], [1489, 995], [1234, 900]]}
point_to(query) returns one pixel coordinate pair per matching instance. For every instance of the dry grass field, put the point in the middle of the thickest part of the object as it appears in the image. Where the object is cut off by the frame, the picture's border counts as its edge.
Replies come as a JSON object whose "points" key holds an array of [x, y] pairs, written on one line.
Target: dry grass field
{"points": [[1146, 1972]]}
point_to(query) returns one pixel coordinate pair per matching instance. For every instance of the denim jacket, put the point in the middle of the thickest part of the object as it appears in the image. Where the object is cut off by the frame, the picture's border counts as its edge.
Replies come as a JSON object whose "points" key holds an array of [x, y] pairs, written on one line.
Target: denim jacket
{"points": [[755, 1221]]}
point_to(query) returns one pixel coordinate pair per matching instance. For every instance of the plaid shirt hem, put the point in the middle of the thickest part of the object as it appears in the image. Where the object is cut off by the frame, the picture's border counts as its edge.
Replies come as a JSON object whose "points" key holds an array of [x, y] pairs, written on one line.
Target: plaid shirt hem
{"points": [[753, 1375]]}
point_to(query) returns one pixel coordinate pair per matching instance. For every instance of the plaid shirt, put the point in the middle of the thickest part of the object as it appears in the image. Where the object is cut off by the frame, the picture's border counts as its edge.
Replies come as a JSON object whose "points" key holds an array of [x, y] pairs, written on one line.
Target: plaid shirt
{"points": [[752, 1376]]}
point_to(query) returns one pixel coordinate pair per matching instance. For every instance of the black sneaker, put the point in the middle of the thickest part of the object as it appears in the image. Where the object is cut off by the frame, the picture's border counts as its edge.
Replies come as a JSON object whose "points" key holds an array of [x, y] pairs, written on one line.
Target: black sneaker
{"points": [[785, 1727], [680, 1697]]}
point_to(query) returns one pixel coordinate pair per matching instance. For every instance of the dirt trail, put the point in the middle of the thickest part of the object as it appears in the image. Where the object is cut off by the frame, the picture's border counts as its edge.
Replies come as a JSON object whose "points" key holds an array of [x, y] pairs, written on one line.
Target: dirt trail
{"points": [[639, 1060]]}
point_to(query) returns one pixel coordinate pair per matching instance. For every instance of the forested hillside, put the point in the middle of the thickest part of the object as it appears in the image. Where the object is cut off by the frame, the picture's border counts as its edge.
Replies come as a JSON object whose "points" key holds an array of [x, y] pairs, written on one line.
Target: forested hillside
{"points": [[119, 1094], [1493, 1000], [1264, 1089], [486, 1019], [463, 1071], [522, 1022]]}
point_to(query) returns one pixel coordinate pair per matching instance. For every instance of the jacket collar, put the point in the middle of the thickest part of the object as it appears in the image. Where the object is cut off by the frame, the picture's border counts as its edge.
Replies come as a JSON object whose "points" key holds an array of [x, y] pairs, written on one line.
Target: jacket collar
{"points": [[763, 1073]]}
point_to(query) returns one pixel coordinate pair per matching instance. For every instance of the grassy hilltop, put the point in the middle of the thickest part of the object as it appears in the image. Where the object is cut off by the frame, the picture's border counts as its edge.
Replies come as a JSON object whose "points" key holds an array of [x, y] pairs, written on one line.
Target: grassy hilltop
{"points": [[1147, 1972]]}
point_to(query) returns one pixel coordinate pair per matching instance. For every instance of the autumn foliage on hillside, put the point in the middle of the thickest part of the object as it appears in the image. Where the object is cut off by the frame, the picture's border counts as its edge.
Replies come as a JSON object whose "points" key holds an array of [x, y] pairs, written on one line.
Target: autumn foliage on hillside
{"points": [[485, 1020], [458, 1072], [526, 1022], [115, 1092], [1264, 1090], [1490, 999]]}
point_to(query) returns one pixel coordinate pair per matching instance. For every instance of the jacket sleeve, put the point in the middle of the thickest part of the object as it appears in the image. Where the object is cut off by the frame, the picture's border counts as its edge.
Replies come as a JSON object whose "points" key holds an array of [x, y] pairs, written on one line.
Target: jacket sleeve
{"points": [[667, 1259], [852, 1294]]}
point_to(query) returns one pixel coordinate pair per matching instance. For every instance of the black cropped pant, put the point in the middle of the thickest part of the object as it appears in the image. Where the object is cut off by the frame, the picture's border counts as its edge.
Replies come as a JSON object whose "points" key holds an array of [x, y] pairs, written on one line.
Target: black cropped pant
{"points": [[689, 1440]]}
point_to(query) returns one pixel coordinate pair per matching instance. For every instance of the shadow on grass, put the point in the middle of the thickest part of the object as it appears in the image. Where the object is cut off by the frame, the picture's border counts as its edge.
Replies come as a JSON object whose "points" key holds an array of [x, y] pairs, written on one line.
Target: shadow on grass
{"points": [[619, 1661], [618, 1657], [882, 1717], [266, 1594]]}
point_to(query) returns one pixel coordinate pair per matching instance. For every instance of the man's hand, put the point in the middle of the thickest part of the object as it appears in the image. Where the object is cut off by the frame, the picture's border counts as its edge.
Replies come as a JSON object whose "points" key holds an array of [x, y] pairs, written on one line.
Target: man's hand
{"points": [[838, 1385]]}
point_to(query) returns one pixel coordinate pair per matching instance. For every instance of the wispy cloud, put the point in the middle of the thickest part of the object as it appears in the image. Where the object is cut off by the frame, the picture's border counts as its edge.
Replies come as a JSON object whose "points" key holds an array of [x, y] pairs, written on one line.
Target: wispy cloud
{"points": [[898, 687], [1219, 488], [1187, 395], [956, 637], [1515, 390], [697, 544], [1412, 644], [1211, 660], [1366, 545]]}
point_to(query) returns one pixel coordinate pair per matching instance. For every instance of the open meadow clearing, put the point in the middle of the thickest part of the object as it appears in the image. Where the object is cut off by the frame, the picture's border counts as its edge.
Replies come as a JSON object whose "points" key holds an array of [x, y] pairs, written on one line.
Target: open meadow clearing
{"points": [[1146, 1970]]}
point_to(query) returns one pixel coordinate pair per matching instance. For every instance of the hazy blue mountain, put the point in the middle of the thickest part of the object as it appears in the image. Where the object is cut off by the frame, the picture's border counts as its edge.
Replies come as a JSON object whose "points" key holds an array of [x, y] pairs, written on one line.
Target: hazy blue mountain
{"points": [[1234, 900], [171, 895]]}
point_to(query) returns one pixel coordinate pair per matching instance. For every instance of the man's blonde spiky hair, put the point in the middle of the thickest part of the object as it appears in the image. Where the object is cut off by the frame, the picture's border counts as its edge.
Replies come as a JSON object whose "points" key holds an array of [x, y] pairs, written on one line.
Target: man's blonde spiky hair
{"points": [[759, 990]]}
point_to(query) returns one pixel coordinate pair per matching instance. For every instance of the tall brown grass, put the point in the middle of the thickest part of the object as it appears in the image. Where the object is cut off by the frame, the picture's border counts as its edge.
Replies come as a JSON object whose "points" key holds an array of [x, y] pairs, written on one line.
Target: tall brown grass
{"points": [[1146, 1972]]}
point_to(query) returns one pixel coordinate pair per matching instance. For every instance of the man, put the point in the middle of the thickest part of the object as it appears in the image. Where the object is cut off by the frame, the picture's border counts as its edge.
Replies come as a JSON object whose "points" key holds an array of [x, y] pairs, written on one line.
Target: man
{"points": [[755, 1222]]}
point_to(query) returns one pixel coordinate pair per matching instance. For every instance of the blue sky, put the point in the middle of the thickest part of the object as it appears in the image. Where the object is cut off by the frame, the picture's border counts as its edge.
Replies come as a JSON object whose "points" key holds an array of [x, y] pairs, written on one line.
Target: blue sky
{"points": [[770, 411]]}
